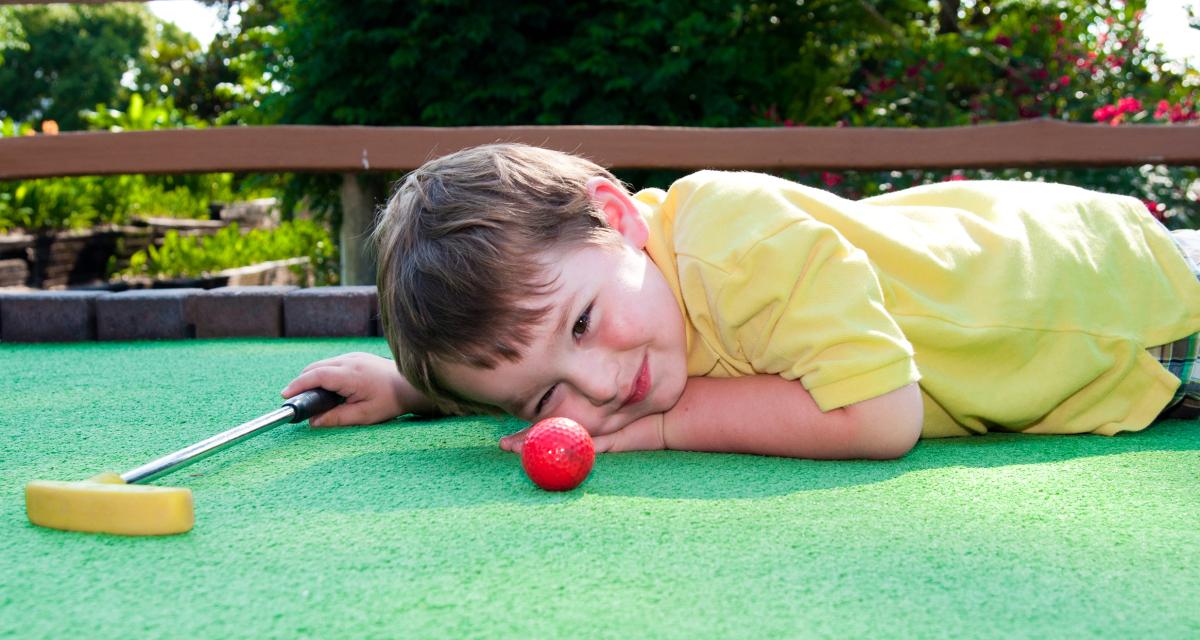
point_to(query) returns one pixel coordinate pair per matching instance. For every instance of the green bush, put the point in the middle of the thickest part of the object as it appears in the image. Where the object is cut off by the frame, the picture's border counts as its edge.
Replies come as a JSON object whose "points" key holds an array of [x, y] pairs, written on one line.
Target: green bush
{"points": [[52, 204], [193, 256]]}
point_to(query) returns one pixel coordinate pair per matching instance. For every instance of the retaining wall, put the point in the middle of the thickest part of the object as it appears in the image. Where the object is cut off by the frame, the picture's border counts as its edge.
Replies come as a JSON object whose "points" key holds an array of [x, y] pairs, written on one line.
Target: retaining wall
{"points": [[166, 314]]}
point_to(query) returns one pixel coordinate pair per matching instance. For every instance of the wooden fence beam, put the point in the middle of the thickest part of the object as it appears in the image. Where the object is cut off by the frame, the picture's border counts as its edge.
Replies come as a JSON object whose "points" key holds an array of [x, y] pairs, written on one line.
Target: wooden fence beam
{"points": [[359, 199], [1029, 143]]}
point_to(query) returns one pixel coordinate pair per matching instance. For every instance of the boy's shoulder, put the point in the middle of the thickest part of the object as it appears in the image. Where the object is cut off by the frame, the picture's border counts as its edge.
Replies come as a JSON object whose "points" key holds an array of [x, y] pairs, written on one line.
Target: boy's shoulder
{"points": [[717, 216]]}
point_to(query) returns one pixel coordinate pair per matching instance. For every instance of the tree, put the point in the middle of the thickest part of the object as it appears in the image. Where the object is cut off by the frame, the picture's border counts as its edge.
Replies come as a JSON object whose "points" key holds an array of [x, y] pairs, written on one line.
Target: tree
{"points": [[666, 62], [73, 57]]}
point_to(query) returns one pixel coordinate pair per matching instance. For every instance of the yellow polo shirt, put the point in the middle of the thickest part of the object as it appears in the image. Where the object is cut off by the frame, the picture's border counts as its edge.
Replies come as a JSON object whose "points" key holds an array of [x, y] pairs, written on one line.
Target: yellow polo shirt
{"points": [[1018, 306]]}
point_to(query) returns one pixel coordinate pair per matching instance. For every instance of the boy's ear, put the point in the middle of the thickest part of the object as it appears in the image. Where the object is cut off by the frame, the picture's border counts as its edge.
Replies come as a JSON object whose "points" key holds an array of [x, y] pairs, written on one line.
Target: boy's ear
{"points": [[620, 211]]}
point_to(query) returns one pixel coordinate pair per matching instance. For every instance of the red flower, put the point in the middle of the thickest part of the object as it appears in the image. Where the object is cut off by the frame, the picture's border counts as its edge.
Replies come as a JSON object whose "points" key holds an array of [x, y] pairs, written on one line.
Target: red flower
{"points": [[1129, 105], [1064, 80], [1155, 209], [831, 179], [954, 177], [1104, 113], [1163, 109], [1003, 41]]}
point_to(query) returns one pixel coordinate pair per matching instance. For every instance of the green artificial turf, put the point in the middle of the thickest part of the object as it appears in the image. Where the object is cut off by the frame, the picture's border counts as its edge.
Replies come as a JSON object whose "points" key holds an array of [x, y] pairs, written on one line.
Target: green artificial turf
{"points": [[427, 529]]}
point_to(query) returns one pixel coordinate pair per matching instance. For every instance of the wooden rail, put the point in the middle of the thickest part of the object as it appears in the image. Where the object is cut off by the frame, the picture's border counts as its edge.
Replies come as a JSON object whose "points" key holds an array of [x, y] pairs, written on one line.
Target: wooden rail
{"points": [[355, 150], [352, 149]]}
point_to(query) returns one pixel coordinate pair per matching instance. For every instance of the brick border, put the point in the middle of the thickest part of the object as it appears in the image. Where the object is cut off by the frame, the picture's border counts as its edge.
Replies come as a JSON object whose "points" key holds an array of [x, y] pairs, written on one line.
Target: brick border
{"points": [[167, 314]]}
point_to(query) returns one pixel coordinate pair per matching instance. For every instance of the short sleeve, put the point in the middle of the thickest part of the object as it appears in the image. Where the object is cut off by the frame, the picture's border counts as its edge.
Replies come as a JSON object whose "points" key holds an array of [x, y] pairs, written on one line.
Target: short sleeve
{"points": [[768, 285]]}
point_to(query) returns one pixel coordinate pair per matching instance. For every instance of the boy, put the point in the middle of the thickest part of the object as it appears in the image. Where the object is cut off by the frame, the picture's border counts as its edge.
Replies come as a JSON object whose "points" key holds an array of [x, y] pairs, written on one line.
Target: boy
{"points": [[740, 312]]}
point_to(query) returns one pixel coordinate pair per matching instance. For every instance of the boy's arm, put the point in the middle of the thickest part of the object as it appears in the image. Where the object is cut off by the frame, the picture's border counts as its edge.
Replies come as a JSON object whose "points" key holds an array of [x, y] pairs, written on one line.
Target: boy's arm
{"points": [[769, 415]]}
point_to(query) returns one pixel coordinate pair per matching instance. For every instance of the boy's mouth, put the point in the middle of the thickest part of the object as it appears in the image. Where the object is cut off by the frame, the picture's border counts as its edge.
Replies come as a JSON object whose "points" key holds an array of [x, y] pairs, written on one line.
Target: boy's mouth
{"points": [[641, 384]]}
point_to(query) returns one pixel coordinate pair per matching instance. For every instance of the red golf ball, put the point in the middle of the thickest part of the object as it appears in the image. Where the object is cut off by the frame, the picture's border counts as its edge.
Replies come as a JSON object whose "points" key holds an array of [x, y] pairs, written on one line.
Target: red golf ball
{"points": [[558, 454]]}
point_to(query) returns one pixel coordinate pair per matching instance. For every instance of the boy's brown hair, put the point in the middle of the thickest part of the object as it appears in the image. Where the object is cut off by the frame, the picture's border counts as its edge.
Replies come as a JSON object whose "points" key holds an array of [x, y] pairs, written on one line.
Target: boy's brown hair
{"points": [[463, 246]]}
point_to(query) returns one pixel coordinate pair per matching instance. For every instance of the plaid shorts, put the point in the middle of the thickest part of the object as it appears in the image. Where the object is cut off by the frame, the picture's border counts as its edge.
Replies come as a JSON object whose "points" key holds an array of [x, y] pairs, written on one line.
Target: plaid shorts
{"points": [[1181, 357]]}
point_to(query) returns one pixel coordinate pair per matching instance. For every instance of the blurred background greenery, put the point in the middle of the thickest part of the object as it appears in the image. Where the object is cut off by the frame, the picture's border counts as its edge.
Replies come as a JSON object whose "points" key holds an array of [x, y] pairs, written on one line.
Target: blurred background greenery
{"points": [[893, 63]]}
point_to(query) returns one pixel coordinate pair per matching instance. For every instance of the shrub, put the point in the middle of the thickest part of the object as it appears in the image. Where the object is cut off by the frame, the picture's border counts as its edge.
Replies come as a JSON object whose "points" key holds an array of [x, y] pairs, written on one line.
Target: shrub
{"points": [[193, 256]]}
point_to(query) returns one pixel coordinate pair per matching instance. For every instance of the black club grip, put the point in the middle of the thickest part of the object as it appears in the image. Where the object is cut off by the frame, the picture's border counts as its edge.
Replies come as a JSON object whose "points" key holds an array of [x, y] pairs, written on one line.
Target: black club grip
{"points": [[312, 402]]}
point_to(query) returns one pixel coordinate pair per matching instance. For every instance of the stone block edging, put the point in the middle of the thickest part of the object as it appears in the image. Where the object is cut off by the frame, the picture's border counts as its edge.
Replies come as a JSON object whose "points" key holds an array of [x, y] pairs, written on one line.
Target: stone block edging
{"points": [[149, 314]]}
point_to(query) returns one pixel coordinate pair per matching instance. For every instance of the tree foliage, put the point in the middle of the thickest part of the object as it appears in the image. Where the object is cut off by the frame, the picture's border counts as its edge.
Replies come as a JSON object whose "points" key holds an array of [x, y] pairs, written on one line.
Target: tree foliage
{"points": [[662, 62], [71, 57]]}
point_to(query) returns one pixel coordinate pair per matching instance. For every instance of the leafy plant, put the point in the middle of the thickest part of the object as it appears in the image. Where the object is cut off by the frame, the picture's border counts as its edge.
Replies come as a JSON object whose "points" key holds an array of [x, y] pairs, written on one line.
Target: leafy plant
{"points": [[193, 256]]}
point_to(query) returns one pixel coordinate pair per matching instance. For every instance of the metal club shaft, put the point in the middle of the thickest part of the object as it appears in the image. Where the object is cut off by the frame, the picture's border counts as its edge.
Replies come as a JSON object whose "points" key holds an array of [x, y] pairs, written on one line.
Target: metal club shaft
{"points": [[297, 408], [201, 450]]}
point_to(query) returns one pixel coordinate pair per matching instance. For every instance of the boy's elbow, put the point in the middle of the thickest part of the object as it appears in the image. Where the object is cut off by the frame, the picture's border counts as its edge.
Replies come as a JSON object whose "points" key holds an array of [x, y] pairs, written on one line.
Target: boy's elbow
{"points": [[890, 425], [897, 439]]}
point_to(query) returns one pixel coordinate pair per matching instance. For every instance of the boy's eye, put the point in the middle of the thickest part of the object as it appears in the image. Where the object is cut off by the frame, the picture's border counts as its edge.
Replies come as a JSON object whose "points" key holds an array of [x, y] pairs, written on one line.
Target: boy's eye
{"points": [[537, 411], [581, 325]]}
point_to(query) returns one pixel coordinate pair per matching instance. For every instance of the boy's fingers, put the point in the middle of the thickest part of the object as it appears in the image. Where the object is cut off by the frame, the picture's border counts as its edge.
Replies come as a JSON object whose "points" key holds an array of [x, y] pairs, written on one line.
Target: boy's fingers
{"points": [[602, 443], [336, 361], [327, 362], [514, 442], [326, 378], [643, 434], [341, 416]]}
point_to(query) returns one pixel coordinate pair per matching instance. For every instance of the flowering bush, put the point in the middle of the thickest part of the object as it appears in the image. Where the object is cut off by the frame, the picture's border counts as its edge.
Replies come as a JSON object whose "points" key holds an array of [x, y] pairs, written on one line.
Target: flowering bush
{"points": [[1075, 61]]}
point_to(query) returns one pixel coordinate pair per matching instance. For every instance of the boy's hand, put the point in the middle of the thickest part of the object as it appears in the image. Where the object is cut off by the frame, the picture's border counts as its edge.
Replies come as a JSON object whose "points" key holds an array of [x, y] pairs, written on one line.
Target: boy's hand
{"points": [[643, 434], [374, 390]]}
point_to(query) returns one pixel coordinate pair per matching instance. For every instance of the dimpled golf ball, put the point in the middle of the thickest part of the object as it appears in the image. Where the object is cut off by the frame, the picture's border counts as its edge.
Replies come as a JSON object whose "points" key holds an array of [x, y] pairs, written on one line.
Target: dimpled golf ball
{"points": [[558, 454]]}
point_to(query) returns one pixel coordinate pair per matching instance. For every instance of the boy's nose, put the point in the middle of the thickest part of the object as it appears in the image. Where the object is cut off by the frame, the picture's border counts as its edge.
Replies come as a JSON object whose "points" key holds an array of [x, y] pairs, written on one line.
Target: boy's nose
{"points": [[596, 381]]}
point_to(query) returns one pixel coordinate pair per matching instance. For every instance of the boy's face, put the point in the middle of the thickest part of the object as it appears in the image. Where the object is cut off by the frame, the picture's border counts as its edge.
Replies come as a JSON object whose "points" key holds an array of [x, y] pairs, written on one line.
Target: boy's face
{"points": [[611, 349]]}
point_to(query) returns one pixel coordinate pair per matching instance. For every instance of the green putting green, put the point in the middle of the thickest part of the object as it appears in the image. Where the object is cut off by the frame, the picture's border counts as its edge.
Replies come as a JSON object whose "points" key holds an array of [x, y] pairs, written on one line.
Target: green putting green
{"points": [[423, 528]]}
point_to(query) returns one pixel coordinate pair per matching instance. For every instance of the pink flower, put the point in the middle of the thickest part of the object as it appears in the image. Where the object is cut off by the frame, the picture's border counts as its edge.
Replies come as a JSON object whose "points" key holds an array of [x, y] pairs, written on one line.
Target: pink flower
{"points": [[1179, 115], [1129, 105], [831, 179], [1064, 80], [1104, 113], [1163, 109], [1154, 208], [954, 177]]}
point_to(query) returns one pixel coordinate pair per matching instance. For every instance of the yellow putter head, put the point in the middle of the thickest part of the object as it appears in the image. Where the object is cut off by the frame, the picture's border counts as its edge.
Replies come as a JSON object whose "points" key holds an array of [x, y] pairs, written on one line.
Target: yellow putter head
{"points": [[106, 504], [115, 503]]}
